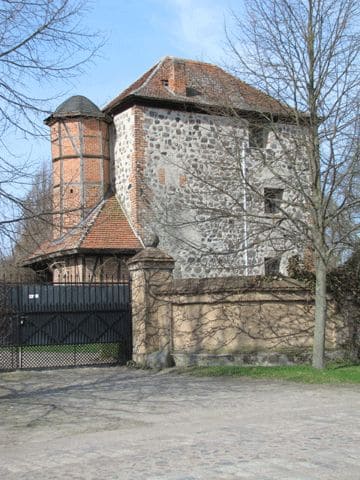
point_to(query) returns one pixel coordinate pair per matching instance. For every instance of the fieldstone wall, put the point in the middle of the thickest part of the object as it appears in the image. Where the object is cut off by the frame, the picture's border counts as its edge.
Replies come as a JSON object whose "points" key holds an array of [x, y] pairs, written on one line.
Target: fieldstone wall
{"points": [[180, 175], [123, 144], [221, 320]]}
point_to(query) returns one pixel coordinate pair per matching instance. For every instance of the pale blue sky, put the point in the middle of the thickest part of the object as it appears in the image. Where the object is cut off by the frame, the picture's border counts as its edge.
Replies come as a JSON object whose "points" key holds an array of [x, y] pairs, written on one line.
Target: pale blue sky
{"points": [[139, 33]]}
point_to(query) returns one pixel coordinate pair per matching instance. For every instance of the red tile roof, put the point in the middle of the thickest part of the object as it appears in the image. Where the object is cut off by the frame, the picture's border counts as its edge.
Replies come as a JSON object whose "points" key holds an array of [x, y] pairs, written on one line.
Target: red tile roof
{"points": [[105, 228], [207, 85], [110, 229]]}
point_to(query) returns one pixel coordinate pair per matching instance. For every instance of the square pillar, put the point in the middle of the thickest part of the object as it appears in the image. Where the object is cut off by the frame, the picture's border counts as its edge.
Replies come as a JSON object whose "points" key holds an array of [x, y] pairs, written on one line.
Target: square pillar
{"points": [[151, 315]]}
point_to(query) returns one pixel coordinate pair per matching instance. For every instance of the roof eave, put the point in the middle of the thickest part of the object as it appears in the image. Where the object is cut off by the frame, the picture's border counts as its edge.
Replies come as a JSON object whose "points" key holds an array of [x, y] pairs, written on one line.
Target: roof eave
{"points": [[53, 118], [183, 105], [44, 258]]}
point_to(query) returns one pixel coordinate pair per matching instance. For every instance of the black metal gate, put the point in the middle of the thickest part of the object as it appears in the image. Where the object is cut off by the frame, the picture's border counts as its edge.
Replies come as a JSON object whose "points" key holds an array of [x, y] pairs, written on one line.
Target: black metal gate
{"points": [[44, 326]]}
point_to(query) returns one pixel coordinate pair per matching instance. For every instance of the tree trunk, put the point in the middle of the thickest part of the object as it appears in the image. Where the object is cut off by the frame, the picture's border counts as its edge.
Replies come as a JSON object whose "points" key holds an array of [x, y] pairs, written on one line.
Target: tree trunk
{"points": [[318, 360]]}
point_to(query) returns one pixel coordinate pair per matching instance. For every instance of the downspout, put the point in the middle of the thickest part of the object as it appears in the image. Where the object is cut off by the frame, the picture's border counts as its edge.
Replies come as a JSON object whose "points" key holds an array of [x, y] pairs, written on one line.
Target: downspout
{"points": [[243, 169]]}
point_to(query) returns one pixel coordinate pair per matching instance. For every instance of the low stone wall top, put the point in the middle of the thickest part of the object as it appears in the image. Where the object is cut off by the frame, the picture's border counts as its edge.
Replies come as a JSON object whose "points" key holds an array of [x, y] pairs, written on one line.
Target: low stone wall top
{"points": [[196, 286]]}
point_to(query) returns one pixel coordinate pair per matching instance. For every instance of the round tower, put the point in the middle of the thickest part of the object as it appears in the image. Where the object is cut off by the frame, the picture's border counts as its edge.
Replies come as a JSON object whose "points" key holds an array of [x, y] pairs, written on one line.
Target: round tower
{"points": [[80, 158]]}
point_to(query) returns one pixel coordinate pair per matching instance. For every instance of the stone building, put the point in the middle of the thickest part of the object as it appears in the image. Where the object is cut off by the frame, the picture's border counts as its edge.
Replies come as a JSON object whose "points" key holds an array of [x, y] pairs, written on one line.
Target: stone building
{"points": [[170, 160]]}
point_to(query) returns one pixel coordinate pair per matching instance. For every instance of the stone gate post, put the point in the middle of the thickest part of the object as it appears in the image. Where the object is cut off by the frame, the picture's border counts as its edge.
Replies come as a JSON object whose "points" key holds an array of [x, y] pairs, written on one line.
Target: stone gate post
{"points": [[151, 315]]}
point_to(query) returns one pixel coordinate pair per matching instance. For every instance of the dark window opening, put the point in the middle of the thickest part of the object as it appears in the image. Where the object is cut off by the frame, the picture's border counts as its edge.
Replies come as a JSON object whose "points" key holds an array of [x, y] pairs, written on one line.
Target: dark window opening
{"points": [[272, 266], [192, 92], [165, 82], [257, 136], [272, 199]]}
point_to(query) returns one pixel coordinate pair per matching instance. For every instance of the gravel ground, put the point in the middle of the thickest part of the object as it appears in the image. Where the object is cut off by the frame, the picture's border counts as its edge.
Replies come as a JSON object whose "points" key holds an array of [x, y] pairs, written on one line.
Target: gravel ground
{"points": [[118, 423]]}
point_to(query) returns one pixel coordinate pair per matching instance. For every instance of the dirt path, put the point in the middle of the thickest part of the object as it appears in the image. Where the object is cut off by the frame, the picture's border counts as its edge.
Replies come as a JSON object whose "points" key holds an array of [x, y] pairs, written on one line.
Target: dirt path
{"points": [[115, 423]]}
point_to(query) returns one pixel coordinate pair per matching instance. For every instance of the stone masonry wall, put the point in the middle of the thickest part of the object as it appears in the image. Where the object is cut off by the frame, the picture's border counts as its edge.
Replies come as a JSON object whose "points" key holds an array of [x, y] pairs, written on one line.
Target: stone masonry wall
{"points": [[237, 319], [243, 317], [124, 147], [179, 175]]}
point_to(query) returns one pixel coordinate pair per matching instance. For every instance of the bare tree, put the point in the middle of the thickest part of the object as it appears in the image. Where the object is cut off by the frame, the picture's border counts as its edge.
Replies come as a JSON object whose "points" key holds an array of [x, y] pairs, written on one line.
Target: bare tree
{"points": [[40, 42], [289, 174], [32, 227], [306, 54], [36, 216]]}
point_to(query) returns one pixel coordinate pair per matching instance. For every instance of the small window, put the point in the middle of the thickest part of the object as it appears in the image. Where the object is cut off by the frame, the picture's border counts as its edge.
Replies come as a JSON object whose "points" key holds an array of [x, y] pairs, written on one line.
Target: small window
{"points": [[272, 266], [165, 82], [192, 92], [272, 199], [257, 136]]}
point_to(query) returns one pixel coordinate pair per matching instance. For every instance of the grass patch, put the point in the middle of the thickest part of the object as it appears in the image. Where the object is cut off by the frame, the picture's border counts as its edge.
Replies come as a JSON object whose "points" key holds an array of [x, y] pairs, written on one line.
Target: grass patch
{"points": [[336, 373], [111, 350]]}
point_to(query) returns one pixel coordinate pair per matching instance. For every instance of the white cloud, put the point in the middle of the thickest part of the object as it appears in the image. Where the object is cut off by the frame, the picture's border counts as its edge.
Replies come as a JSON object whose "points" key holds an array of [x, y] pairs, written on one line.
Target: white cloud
{"points": [[198, 27]]}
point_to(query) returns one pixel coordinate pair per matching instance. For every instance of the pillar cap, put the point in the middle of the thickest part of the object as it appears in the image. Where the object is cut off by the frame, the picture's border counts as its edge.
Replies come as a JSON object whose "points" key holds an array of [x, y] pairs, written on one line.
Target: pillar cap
{"points": [[151, 257]]}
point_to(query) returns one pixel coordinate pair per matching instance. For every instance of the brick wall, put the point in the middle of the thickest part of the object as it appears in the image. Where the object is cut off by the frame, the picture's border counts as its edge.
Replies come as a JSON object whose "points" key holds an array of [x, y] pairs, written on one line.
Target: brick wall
{"points": [[177, 78], [81, 168]]}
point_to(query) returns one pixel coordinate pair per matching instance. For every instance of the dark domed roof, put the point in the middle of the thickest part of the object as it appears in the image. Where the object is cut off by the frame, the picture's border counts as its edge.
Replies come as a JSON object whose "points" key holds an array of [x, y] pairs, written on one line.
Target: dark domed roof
{"points": [[76, 106]]}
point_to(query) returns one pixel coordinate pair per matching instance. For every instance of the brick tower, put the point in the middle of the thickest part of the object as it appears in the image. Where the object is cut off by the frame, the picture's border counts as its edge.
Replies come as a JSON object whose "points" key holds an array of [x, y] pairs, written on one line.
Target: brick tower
{"points": [[91, 237], [81, 161]]}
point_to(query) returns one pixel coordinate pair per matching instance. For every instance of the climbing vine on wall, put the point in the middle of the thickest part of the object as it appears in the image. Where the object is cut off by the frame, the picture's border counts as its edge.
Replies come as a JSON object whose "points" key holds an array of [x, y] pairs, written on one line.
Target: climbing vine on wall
{"points": [[344, 287]]}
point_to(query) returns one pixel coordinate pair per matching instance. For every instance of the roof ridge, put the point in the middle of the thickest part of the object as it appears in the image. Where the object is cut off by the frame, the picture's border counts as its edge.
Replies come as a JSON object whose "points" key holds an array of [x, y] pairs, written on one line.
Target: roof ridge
{"points": [[128, 90], [111, 213], [73, 231], [155, 69], [129, 221], [190, 60], [95, 212], [100, 207]]}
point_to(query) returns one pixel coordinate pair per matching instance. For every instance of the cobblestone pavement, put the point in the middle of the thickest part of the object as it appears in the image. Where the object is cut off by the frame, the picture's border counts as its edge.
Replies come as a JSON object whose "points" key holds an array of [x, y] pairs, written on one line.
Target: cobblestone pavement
{"points": [[115, 423]]}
